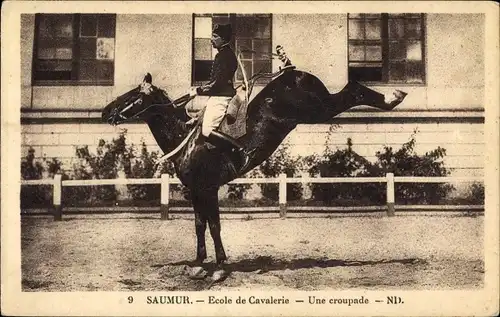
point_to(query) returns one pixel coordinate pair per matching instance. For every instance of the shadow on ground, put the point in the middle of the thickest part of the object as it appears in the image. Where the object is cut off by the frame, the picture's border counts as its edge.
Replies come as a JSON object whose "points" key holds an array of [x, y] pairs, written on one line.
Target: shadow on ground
{"points": [[264, 264]]}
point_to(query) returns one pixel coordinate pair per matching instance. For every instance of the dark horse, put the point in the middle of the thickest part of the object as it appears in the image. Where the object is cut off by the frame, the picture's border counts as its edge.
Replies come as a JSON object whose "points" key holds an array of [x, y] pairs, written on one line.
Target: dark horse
{"points": [[292, 97]]}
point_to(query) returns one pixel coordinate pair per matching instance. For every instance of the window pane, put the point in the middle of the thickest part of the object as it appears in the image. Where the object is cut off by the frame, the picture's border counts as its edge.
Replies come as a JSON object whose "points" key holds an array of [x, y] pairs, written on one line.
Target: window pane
{"points": [[202, 27], [105, 48], [356, 52], [88, 48], [376, 16], [263, 28], [202, 49], [88, 25], [45, 28], [365, 73], [261, 67], [64, 53], [373, 29], [54, 65], [414, 51], [46, 53], [397, 71], [373, 53], [242, 45], [397, 50], [396, 28], [105, 70], [356, 29], [54, 48], [414, 72], [248, 70], [64, 27], [263, 49], [413, 28], [106, 25], [56, 25], [220, 19], [88, 70], [246, 27]]}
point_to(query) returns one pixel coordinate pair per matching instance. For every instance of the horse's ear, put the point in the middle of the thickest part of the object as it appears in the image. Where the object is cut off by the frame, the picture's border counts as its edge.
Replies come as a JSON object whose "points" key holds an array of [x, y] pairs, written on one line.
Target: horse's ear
{"points": [[148, 78]]}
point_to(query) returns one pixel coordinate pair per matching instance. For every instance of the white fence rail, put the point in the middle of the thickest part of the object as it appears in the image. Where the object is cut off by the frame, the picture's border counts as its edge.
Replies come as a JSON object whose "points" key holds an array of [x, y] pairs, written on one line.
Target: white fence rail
{"points": [[165, 181]]}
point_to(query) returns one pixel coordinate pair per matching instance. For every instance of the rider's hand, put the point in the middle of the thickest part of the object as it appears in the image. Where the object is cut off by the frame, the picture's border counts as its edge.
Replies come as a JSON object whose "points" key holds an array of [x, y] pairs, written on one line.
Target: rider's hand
{"points": [[191, 121]]}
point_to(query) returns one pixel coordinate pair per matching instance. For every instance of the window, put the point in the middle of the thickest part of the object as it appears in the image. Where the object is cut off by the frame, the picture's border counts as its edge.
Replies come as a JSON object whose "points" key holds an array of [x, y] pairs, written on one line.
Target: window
{"points": [[250, 32], [74, 49], [386, 48]]}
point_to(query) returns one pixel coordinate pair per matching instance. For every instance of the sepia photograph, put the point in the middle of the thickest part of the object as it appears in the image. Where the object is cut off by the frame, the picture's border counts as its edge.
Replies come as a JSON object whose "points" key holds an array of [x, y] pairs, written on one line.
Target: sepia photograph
{"points": [[260, 158]]}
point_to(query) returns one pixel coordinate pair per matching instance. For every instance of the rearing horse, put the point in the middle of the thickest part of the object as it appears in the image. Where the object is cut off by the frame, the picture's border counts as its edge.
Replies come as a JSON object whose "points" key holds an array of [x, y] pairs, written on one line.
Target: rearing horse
{"points": [[293, 97]]}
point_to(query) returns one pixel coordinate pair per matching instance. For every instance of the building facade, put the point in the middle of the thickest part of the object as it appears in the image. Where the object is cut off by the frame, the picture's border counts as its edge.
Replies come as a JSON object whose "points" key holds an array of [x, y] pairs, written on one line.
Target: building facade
{"points": [[72, 65]]}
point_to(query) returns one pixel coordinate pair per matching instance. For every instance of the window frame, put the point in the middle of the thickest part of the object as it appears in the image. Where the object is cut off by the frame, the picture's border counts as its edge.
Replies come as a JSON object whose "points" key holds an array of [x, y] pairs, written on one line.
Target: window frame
{"points": [[76, 54], [385, 44], [232, 18]]}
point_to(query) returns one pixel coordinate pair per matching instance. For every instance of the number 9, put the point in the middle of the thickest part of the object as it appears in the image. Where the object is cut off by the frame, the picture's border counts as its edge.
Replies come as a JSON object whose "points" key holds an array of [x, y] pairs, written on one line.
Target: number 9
{"points": [[130, 299]]}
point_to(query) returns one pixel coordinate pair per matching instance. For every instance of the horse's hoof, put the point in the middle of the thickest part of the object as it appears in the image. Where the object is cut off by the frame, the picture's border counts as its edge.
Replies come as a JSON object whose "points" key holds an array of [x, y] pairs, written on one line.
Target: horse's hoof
{"points": [[197, 273], [392, 101], [219, 275]]}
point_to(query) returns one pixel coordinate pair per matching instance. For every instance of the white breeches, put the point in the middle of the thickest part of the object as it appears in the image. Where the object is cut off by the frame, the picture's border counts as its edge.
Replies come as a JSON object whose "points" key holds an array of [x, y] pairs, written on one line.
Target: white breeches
{"points": [[214, 113]]}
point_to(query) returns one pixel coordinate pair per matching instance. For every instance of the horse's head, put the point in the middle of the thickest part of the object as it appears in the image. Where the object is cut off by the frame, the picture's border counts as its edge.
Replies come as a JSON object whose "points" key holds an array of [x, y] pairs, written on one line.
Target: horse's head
{"points": [[135, 104]]}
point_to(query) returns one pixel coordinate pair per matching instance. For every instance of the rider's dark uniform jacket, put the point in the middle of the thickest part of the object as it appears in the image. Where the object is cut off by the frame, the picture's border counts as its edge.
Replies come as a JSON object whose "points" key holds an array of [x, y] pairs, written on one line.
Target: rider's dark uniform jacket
{"points": [[221, 75]]}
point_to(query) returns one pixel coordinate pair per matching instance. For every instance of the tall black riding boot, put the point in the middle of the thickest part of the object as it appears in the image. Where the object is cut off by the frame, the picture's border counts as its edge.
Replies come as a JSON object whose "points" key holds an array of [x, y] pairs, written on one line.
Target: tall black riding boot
{"points": [[229, 145]]}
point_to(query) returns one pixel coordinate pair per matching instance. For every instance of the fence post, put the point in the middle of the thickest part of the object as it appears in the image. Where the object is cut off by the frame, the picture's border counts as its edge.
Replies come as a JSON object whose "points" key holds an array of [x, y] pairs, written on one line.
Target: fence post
{"points": [[390, 194], [57, 193], [282, 195], [165, 195]]}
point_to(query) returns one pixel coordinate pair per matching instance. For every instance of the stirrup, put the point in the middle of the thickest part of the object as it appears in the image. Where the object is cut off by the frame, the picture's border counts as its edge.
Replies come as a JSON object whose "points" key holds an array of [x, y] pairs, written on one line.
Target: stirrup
{"points": [[247, 158]]}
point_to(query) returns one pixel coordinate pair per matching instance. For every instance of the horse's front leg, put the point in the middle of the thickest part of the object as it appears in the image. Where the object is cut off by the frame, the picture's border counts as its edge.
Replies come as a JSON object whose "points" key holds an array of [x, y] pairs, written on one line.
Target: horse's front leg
{"points": [[213, 216], [201, 226], [200, 222]]}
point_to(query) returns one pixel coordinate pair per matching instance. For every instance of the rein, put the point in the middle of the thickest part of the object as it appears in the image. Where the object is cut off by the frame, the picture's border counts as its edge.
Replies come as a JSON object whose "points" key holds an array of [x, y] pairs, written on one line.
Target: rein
{"points": [[183, 100]]}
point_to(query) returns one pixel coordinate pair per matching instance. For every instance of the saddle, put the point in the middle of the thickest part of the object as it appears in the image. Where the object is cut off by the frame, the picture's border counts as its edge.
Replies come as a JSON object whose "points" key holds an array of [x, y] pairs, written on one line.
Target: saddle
{"points": [[234, 123]]}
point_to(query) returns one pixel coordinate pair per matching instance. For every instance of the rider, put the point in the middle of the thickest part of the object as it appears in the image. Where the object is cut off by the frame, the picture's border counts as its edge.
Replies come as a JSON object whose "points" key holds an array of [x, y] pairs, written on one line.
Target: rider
{"points": [[220, 90]]}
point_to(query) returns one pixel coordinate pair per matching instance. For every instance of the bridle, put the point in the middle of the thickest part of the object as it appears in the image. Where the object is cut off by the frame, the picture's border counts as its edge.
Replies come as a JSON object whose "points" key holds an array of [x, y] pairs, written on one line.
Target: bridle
{"points": [[177, 103]]}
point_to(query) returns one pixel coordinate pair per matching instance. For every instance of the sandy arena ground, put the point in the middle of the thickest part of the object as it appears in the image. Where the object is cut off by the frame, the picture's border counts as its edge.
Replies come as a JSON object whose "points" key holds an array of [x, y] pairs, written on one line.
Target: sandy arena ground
{"points": [[141, 252]]}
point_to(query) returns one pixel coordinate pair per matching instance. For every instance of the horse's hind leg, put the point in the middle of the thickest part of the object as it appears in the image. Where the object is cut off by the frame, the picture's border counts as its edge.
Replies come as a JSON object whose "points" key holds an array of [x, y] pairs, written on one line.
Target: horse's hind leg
{"points": [[354, 94]]}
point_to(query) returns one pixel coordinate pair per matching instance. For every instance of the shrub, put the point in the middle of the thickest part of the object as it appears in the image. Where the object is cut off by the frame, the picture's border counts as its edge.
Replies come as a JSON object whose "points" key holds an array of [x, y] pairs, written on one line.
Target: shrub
{"points": [[344, 163], [33, 196], [281, 162], [237, 191], [71, 195], [475, 194], [104, 164], [405, 162], [143, 167]]}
